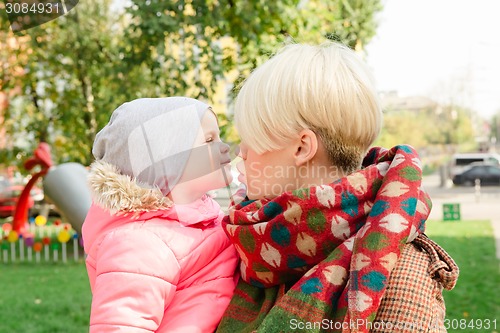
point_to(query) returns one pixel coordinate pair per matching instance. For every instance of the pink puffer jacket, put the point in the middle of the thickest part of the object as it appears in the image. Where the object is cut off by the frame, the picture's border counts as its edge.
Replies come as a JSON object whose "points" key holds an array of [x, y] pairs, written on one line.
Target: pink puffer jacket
{"points": [[150, 272]]}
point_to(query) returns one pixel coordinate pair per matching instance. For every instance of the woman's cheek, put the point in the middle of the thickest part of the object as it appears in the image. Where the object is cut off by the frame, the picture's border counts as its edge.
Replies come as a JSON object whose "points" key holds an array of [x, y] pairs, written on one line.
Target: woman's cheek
{"points": [[240, 167]]}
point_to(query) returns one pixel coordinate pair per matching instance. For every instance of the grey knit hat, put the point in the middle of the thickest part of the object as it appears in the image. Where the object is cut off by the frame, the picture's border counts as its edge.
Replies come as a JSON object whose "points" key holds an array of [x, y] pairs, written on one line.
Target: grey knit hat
{"points": [[149, 139]]}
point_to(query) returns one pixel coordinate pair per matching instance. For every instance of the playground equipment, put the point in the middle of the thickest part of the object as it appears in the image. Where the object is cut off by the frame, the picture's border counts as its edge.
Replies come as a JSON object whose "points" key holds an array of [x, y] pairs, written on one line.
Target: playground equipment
{"points": [[42, 158], [64, 185], [39, 242], [27, 240]]}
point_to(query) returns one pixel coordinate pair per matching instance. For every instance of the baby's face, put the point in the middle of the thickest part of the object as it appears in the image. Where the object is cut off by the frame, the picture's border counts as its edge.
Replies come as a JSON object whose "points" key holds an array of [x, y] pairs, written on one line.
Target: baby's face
{"points": [[208, 164]]}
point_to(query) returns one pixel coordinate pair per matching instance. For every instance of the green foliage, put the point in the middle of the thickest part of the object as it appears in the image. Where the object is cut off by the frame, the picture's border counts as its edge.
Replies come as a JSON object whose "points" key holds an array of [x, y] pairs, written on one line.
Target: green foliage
{"points": [[348, 21], [65, 77], [452, 125], [495, 128], [424, 128], [403, 126]]}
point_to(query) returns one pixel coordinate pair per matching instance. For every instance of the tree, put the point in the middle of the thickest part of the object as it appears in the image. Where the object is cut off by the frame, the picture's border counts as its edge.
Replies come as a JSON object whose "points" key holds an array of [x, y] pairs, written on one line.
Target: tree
{"points": [[441, 126], [68, 75], [351, 22], [495, 129]]}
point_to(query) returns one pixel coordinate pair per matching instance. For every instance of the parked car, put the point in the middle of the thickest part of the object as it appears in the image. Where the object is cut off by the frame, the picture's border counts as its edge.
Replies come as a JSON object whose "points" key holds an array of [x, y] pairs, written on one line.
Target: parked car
{"points": [[461, 162], [488, 174]]}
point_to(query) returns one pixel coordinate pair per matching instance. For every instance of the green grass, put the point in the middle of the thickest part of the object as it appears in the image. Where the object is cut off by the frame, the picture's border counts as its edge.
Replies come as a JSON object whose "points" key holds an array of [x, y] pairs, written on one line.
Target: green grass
{"points": [[44, 298], [476, 295], [55, 298]]}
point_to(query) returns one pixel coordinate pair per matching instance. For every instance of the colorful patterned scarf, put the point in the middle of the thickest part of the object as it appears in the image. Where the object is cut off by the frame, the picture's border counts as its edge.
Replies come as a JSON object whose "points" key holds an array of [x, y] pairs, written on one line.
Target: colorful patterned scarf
{"points": [[318, 259]]}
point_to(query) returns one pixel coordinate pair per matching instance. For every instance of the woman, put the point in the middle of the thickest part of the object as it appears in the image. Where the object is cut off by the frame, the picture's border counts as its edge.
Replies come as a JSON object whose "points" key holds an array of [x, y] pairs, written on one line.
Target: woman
{"points": [[330, 236]]}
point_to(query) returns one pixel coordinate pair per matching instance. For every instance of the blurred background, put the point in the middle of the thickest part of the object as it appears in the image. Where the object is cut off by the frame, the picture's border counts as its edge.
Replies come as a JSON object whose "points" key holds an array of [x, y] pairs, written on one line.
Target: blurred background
{"points": [[435, 63]]}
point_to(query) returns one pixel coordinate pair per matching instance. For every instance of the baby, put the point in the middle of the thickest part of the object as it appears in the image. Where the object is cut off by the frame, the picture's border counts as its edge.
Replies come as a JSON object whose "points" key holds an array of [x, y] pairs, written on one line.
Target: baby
{"points": [[157, 258]]}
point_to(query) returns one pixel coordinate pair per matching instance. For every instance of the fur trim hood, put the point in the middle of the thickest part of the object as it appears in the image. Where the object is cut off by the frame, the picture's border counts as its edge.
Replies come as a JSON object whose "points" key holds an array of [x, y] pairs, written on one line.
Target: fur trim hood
{"points": [[120, 193]]}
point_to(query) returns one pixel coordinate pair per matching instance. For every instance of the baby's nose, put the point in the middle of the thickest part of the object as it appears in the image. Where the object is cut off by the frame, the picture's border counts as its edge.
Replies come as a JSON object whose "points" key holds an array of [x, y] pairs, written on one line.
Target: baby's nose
{"points": [[224, 148]]}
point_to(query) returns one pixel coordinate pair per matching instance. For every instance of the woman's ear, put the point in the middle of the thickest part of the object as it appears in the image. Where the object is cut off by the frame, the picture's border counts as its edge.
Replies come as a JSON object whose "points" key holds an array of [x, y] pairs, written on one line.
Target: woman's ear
{"points": [[307, 147]]}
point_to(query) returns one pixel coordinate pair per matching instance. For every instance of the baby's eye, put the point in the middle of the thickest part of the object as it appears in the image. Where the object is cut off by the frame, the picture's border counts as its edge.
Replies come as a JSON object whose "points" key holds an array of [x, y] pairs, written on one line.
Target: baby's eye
{"points": [[210, 139]]}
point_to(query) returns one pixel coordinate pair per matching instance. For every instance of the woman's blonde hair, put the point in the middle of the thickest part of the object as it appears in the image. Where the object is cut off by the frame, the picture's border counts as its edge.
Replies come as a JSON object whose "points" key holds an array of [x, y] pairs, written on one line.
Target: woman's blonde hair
{"points": [[325, 88]]}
